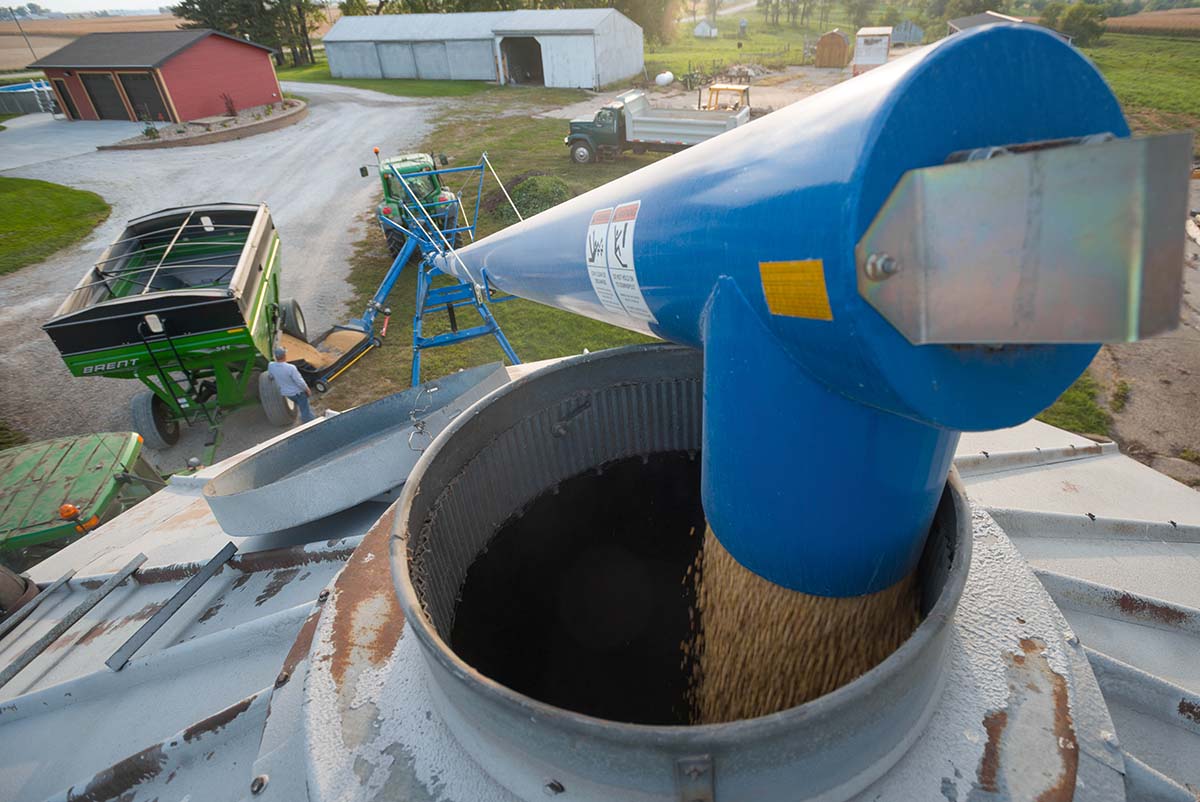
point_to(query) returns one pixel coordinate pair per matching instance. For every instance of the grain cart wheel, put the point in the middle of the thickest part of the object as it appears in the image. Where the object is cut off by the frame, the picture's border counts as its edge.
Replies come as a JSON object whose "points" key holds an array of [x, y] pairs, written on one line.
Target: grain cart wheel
{"points": [[582, 153], [395, 240], [293, 319], [279, 410], [152, 419]]}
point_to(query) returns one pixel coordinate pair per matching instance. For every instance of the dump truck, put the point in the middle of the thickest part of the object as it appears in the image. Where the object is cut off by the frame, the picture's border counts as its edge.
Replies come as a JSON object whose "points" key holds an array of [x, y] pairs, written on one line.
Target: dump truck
{"points": [[441, 204], [631, 123], [186, 301]]}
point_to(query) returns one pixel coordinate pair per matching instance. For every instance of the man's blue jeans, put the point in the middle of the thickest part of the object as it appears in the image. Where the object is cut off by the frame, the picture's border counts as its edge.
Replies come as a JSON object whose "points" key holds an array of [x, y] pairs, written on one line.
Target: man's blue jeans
{"points": [[301, 402]]}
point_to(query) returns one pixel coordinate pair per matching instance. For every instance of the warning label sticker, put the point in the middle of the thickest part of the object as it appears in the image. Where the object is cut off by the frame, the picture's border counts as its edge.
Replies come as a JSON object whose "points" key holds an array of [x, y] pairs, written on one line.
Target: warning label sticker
{"points": [[597, 261], [610, 262]]}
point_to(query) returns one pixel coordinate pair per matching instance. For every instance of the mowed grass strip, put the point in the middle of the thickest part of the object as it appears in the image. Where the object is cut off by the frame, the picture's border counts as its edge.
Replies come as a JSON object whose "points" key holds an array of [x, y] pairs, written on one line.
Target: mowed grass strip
{"points": [[38, 218], [319, 73], [515, 145], [4, 118], [1154, 77]]}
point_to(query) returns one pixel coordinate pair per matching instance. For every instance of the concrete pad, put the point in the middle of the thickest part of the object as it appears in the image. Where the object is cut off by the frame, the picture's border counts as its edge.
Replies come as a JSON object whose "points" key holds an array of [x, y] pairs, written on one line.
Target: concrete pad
{"points": [[36, 138]]}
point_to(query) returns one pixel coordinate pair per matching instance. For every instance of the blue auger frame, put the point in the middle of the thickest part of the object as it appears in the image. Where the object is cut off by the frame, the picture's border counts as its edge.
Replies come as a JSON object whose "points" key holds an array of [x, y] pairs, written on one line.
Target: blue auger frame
{"points": [[431, 238]]}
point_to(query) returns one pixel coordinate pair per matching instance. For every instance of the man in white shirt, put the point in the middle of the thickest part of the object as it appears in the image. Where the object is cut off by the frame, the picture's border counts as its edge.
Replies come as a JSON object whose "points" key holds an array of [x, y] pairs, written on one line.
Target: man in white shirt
{"points": [[290, 383]]}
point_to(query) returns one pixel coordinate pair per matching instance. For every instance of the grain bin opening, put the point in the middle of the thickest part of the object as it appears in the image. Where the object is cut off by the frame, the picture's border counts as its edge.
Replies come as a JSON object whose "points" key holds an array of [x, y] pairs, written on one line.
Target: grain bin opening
{"points": [[549, 542]]}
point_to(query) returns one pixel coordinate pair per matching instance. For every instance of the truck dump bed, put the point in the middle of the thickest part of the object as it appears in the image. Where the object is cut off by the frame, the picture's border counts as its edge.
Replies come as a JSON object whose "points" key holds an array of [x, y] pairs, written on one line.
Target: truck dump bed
{"points": [[643, 123], [200, 264]]}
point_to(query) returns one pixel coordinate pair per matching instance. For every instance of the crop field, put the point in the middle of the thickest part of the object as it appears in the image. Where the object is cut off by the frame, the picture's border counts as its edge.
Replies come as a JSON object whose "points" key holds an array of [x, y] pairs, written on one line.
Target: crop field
{"points": [[1175, 22]]}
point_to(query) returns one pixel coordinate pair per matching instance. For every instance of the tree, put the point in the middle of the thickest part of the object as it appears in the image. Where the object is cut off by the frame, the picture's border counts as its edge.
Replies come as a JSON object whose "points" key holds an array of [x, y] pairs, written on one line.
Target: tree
{"points": [[354, 8], [967, 8], [891, 17], [1083, 22], [859, 11], [1051, 14]]}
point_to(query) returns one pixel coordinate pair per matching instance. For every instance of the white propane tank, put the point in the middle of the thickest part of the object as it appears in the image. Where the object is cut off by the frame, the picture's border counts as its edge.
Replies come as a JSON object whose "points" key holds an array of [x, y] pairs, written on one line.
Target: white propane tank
{"points": [[665, 78]]}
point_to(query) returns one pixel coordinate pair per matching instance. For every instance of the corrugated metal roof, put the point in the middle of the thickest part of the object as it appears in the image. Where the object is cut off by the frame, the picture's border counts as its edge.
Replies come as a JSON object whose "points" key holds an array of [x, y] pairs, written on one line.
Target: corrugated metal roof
{"points": [[129, 48], [471, 25], [291, 674]]}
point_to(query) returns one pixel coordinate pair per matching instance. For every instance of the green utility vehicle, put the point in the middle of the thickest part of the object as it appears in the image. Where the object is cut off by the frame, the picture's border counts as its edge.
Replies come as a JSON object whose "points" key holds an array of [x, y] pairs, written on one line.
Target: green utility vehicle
{"points": [[631, 123], [56, 491], [187, 302], [441, 204]]}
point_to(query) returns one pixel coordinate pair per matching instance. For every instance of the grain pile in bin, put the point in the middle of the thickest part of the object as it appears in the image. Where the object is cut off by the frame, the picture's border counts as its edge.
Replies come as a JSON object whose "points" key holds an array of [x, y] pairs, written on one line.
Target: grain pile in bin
{"points": [[759, 648]]}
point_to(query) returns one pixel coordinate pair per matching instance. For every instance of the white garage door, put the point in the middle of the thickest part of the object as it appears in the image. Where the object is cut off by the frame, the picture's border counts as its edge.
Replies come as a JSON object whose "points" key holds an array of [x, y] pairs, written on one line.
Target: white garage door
{"points": [[396, 60], [432, 61]]}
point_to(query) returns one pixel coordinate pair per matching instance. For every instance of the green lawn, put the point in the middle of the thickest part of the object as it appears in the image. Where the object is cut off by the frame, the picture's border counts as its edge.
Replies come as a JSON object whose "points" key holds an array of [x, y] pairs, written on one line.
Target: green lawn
{"points": [[41, 218], [515, 145], [764, 44], [1077, 410], [1156, 78], [4, 117]]}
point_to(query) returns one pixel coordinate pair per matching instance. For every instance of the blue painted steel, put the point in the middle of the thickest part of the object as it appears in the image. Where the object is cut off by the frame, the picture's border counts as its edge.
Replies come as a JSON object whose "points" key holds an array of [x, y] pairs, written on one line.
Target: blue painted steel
{"points": [[423, 221], [848, 447]]}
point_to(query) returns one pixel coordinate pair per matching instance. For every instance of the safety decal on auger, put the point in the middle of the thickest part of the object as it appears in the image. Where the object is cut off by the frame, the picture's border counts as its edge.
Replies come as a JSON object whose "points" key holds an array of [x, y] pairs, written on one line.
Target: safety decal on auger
{"points": [[610, 261]]}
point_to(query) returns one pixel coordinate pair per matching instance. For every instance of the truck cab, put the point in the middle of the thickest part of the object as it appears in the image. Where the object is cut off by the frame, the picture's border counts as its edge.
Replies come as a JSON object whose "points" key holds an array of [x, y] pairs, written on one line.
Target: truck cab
{"points": [[440, 203], [600, 135]]}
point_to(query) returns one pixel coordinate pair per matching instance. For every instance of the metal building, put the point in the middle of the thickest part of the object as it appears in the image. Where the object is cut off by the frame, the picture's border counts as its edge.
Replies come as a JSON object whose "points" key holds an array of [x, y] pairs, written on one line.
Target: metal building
{"points": [[584, 47]]}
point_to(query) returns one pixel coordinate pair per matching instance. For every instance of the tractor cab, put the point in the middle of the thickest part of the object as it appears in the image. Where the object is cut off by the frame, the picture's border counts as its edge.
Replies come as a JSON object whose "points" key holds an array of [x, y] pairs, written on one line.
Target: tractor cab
{"points": [[438, 202]]}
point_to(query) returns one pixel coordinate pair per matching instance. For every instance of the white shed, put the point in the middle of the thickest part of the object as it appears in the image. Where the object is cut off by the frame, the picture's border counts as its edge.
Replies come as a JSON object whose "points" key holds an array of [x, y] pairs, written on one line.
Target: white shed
{"points": [[583, 47]]}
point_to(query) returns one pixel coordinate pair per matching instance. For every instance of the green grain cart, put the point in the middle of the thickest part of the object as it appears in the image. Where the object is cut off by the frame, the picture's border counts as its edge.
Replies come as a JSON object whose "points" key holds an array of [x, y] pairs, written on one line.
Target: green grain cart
{"points": [[187, 302]]}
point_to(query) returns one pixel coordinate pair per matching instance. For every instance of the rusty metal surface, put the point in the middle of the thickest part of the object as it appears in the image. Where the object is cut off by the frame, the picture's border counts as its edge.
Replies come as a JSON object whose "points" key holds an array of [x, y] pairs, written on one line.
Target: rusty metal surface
{"points": [[1117, 546]]}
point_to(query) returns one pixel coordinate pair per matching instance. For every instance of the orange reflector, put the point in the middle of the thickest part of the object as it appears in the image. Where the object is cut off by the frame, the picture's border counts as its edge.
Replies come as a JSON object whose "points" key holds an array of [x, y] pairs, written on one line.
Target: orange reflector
{"points": [[68, 511], [235, 331]]}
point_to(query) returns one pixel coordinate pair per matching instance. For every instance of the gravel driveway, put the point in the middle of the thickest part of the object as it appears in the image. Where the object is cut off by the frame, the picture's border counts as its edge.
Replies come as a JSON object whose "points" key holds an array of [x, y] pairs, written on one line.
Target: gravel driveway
{"points": [[307, 174]]}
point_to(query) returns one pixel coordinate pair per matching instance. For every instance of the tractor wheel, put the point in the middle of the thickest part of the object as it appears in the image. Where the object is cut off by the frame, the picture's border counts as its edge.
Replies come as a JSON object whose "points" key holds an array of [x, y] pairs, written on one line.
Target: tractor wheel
{"points": [[395, 240], [280, 411], [582, 153], [152, 419], [320, 386], [293, 319]]}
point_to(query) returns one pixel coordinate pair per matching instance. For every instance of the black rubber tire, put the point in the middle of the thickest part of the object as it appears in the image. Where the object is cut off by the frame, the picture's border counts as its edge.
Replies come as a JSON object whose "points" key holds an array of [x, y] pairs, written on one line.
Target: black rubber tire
{"points": [[320, 386], [152, 419], [293, 319], [376, 342], [395, 240], [279, 410], [582, 153], [639, 150]]}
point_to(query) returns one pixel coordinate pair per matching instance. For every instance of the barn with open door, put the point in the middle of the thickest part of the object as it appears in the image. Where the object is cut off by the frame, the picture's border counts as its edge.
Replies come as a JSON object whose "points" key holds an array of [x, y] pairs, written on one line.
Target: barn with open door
{"points": [[568, 47], [160, 76]]}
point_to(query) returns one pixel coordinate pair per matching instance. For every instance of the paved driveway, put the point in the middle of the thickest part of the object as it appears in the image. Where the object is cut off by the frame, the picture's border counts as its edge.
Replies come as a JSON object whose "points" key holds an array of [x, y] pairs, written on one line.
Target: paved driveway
{"points": [[37, 138], [307, 173]]}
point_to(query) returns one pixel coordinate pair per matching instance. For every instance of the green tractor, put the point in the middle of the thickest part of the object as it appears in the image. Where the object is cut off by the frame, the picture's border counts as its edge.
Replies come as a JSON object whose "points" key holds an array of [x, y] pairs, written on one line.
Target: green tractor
{"points": [[441, 205], [187, 302], [56, 491]]}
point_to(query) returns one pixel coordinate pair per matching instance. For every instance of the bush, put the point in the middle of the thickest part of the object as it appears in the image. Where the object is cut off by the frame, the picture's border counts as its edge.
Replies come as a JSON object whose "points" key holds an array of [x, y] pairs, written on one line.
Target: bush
{"points": [[535, 194], [1084, 22]]}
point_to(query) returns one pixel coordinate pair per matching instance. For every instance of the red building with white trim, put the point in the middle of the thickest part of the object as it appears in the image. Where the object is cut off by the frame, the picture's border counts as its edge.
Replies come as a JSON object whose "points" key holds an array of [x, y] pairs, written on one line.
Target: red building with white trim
{"points": [[159, 75]]}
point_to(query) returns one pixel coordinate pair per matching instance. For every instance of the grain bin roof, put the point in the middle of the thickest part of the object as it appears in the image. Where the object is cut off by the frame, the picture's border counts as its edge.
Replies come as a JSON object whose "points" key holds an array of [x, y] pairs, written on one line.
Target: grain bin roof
{"points": [[472, 25], [128, 49]]}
